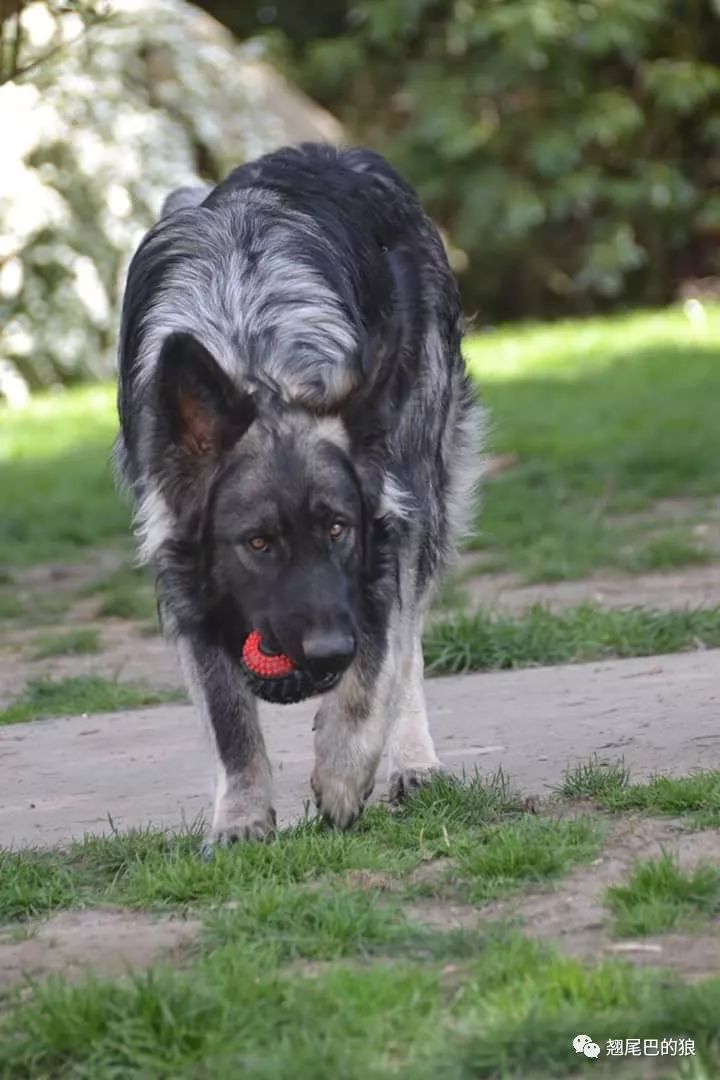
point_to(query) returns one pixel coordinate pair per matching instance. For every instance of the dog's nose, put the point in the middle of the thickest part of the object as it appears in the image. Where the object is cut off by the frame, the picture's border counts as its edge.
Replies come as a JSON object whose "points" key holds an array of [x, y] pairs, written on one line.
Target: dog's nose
{"points": [[328, 649]]}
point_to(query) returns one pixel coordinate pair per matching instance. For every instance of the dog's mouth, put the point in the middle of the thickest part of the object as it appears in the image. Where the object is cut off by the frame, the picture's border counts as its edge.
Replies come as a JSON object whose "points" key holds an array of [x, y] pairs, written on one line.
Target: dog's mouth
{"points": [[287, 689], [275, 678]]}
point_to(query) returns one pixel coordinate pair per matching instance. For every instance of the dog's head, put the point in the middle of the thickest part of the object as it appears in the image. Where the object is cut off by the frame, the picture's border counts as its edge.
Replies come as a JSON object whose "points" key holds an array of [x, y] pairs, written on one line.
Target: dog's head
{"points": [[277, 510]]}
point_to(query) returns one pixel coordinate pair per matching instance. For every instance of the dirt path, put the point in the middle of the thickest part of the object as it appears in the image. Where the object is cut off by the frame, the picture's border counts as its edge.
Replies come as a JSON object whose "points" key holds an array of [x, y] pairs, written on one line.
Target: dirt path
{"points": [[688, 587], [61, 778]]}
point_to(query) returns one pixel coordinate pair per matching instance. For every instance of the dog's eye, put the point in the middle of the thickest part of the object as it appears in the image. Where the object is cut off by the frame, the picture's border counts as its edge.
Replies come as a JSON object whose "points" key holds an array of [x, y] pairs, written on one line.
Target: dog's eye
{"points": [[258, 543], [337, 530]]}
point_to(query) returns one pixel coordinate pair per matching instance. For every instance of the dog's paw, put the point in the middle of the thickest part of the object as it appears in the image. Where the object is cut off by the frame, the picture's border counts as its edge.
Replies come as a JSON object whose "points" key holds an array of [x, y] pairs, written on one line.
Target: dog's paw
{"points": [[248, 827], [340, 798], [404, 782]]}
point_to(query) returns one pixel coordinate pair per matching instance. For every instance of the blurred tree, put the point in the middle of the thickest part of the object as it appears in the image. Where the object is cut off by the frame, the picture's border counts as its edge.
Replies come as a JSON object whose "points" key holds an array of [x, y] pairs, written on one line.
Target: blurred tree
{"points": [[18, 57], [301, 22], [570, 148]]}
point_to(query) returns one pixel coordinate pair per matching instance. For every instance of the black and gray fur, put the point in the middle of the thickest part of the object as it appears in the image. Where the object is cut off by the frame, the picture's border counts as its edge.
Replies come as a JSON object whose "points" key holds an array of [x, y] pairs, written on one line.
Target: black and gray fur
{"points": [[300, 436]]}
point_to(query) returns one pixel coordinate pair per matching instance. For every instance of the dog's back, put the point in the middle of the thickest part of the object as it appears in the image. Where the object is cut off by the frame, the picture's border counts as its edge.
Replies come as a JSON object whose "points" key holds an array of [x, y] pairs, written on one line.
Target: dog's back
{"points": [[314, 272]]}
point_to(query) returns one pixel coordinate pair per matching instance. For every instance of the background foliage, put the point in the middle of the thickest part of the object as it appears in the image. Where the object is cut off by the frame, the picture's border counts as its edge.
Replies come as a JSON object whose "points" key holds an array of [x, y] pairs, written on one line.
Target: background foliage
{"points": [[104, 109], [569, 149]]}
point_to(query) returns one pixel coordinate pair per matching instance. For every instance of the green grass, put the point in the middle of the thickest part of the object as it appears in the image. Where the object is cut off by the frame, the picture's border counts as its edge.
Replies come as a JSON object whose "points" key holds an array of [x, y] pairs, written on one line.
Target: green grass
{"points": [[446, 820], [595, 779], [148, 868], [484, 642], [43, 698], [511, 1009], [530, 850], [55, 476], [485, 844], [127, 593], [696, 796], [300, 971], [78, 642], [33, 883], [127, 605], [35, 607], [607, 416], [659, 896], [666, 551], [527, 1003], [11, 606]]}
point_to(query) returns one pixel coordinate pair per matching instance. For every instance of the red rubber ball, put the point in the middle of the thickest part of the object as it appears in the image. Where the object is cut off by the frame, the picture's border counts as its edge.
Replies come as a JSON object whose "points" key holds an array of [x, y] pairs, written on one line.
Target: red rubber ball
{"points": [[267, 667]]}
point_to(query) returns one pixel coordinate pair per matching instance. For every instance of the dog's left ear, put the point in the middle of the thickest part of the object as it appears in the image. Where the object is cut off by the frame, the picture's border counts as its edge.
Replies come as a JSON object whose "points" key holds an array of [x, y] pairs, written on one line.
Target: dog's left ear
{"points": [[368, 427], [203, 412]]}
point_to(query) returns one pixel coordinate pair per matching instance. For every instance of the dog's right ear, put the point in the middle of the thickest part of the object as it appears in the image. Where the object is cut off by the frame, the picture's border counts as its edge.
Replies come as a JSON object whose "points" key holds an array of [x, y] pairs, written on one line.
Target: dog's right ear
{"points": [[185, 198], [201, 411]]}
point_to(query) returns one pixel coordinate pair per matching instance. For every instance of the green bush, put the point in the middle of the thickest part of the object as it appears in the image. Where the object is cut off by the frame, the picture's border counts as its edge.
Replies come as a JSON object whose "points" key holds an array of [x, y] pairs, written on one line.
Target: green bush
{"points": [[569, 149]]}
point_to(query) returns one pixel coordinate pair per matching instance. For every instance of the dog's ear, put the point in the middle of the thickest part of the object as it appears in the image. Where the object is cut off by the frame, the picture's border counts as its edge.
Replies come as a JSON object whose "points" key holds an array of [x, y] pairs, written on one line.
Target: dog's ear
{"points": [[202, 411], [368, 425], [185, 198]]}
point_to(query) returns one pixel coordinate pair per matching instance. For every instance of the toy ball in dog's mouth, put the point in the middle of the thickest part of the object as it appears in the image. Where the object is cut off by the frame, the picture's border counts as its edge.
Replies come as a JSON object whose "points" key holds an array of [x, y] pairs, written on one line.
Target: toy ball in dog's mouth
{"points": [[275, 678], [260, 661]]}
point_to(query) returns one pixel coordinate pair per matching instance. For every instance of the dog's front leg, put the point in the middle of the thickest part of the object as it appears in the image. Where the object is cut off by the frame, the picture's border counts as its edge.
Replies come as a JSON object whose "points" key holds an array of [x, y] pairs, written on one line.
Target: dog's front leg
{"points": [[349, 741], [243, 798], [351, 729], [412, 757]]}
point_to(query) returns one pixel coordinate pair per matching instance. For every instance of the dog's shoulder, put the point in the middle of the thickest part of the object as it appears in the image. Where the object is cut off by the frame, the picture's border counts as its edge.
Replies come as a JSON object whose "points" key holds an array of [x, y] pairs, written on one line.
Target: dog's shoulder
{"points": [[354, 188]]}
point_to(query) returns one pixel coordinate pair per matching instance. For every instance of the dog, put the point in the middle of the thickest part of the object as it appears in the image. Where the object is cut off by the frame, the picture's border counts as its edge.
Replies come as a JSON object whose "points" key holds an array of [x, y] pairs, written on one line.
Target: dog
{"points": [[300, 436]]}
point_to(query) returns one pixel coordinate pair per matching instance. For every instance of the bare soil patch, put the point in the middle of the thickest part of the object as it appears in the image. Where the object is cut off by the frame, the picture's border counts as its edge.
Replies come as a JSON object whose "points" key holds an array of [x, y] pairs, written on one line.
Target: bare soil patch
{"points": [[571, 914], [429, 872], [106, 941], [126, 654], [702, 513], [70, 576], [682, 587], [673, 590], [56, 599]]}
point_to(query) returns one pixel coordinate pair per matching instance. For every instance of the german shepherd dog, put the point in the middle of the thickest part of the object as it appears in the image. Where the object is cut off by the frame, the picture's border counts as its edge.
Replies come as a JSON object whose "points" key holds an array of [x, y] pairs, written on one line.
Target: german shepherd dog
{"points": [[299, 434]]}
